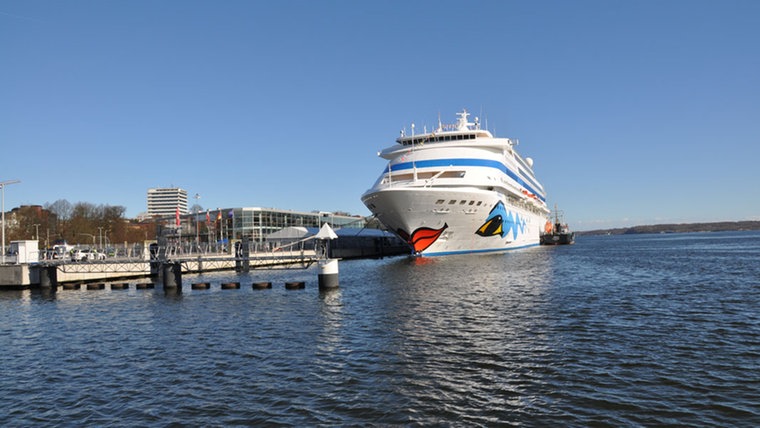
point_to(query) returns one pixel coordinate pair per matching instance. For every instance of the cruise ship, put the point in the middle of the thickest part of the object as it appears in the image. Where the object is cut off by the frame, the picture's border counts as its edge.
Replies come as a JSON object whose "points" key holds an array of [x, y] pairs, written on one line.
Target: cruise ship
{"points": [[457, 190]]}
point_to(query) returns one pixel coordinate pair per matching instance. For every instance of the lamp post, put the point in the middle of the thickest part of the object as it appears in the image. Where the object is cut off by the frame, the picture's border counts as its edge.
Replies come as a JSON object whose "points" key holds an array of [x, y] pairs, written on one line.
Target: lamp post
{"points": [[2, 189]]}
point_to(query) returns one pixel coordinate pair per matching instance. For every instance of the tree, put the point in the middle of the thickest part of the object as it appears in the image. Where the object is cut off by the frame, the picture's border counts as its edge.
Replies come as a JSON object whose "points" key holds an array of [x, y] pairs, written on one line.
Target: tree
{"points": [[61, 210]]}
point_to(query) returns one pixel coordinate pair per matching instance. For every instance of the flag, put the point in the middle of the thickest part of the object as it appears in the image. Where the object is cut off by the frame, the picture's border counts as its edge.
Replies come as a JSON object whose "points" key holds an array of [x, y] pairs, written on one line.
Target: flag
{"points": [[207, 218], [219, 215], [176, 216], [230, 214]]}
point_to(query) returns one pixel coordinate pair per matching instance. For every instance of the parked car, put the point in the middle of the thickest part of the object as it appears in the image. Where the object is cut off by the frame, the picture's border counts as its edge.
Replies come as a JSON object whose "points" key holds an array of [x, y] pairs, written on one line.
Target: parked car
{"points": [[60, 251], [85, 255]]}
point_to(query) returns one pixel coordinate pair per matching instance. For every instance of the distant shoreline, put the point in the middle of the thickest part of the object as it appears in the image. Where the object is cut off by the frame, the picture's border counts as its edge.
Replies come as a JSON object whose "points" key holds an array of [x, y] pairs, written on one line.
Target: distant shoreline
{"points": [[722, 226]]}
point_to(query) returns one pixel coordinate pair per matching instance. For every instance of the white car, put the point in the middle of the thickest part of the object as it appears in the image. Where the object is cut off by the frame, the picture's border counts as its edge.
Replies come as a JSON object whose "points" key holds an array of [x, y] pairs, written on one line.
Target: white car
{"points": [[85, 255]]}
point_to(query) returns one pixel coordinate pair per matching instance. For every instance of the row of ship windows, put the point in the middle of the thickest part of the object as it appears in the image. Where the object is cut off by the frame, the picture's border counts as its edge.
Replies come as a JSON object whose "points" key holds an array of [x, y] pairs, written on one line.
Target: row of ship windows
{"points": [[454, 201], [441, 138], [513, 200]]}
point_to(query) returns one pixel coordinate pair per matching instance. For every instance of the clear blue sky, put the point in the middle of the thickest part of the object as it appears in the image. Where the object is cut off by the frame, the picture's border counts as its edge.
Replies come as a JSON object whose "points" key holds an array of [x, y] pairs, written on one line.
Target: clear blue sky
{"points": [[635, 112]]}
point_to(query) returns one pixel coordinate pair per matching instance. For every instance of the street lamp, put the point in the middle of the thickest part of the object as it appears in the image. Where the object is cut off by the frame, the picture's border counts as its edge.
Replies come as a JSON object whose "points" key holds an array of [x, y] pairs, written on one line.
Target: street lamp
{"points": [[2, 189]]}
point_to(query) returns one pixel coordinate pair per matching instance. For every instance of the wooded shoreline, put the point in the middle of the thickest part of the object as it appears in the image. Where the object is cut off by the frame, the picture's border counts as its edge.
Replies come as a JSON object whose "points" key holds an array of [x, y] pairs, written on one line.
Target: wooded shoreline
{"points": [[722, 226]]}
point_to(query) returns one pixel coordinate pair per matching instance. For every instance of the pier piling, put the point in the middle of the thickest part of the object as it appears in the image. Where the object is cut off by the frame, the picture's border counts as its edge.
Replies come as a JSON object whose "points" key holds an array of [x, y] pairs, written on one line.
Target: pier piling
{"points": [[172, 275], [49, 277], [261, 285], [295, 285], [328, 274], [230, 285]]}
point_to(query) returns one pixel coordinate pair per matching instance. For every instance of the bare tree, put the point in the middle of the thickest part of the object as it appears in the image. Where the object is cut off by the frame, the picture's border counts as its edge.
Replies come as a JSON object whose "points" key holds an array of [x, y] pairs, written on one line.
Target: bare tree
{"points": [[61, 208]]}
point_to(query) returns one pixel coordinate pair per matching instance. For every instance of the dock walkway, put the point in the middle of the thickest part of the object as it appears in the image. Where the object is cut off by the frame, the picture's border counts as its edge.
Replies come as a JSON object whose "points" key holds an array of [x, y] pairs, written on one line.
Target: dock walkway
{"points": [[26, 275]]}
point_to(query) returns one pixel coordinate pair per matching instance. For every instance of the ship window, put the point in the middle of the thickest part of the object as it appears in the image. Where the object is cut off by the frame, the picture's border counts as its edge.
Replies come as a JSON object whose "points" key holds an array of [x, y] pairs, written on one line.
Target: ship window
{"points": [[480, 202], [472, 202], [439, 202], [452, 202], [462, 202]]}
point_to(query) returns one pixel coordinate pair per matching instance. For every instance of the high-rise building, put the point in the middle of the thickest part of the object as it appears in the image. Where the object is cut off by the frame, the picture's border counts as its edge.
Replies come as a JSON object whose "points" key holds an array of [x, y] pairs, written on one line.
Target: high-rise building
{"points": [[166, 201]]}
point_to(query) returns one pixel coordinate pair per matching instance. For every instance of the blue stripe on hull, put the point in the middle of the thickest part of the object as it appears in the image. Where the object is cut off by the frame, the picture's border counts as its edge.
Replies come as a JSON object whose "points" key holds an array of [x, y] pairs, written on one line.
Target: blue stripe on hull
{"points": [[467, 162]]}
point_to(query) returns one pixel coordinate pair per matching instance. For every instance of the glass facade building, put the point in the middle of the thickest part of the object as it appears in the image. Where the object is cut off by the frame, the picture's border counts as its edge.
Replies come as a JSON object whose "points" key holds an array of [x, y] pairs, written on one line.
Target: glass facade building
{"points": [[256, 223]]}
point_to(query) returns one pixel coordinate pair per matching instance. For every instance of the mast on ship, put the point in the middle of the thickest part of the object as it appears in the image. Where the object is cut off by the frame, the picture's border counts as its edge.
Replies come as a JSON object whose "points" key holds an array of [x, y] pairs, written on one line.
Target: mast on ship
{"points": [[462, 123]]}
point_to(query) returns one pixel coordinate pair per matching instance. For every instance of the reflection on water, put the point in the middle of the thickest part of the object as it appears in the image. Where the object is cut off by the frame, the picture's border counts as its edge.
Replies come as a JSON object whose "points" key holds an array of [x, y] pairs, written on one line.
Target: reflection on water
{"points": [[642, 330]]}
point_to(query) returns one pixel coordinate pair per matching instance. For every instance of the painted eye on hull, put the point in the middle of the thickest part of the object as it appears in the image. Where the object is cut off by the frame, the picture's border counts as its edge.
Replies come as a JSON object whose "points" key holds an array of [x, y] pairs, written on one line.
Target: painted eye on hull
{"points": [[500, 222], [491, 227]]}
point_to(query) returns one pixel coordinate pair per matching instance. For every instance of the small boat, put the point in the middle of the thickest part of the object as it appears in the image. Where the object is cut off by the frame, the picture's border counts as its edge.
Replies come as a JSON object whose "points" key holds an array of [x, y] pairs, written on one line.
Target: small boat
{"points": [[557, 233]]}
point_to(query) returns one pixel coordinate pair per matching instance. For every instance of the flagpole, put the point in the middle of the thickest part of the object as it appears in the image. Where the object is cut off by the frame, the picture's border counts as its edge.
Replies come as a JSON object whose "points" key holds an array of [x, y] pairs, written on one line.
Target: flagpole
{"points": [[197, 223], [179, 228]]}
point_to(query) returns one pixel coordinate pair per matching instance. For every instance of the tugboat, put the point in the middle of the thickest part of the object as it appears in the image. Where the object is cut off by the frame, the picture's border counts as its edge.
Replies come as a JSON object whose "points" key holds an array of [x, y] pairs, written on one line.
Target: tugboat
{"points": [[557, 233]]}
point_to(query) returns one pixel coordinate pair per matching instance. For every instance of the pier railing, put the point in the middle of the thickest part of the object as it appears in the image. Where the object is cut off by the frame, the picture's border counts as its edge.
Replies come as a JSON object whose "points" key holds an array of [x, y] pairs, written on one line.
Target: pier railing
{"points": [[130, 267]]}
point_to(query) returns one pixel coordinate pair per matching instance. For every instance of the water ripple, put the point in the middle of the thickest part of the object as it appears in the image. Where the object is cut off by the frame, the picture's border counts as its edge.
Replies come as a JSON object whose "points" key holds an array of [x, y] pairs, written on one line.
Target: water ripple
{"points": [[614, 331]]}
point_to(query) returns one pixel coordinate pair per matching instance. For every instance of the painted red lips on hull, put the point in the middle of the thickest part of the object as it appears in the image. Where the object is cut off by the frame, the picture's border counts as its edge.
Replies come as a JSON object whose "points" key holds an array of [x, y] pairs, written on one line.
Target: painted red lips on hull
{"points": [[422, 237]]}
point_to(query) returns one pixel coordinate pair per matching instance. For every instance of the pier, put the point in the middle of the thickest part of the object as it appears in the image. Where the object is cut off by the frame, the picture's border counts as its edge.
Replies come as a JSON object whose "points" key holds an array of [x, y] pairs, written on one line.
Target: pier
{"points": [[292, 248], [49, 272]]}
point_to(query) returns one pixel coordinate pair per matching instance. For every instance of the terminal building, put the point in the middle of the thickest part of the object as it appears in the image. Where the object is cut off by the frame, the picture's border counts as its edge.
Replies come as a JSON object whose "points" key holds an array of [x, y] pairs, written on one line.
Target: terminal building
{"points": [[266, 229], [255, 223]]}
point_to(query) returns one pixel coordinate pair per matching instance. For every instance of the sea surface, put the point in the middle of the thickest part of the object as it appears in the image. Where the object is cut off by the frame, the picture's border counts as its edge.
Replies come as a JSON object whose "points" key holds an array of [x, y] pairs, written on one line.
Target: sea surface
{"points": [[641, 330]]}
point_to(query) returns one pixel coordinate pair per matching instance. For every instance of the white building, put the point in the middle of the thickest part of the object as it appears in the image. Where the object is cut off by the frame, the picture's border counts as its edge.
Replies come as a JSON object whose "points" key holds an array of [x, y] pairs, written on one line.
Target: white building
{"points": [[166, 201]]}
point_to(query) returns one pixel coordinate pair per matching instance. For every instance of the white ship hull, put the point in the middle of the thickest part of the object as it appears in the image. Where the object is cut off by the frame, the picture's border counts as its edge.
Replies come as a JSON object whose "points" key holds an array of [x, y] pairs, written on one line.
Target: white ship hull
{"points": [[434, 230], [458, 190]]}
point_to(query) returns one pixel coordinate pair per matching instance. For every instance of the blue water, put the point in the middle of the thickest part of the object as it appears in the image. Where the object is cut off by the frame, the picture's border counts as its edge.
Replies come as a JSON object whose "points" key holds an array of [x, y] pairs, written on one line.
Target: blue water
{"points": [[645, 330]]}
